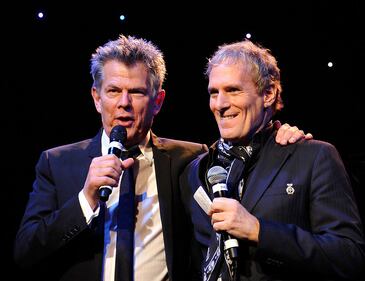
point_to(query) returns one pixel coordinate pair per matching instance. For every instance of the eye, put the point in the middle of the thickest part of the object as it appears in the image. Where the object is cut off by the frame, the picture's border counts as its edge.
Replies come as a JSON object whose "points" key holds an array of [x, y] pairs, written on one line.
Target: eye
{"points": [[138, 92], [233, 90], [213, 92], [113, 92]]}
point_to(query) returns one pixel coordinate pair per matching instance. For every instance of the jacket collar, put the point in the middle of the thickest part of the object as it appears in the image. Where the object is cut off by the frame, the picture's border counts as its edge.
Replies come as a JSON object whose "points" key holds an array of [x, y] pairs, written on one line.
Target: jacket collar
{"points": [[271, 160]]}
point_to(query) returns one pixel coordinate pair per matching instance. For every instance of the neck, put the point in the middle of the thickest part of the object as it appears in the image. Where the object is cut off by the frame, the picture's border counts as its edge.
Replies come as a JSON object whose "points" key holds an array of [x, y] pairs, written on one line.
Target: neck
{"points": [[265, 122], [249, 139]]}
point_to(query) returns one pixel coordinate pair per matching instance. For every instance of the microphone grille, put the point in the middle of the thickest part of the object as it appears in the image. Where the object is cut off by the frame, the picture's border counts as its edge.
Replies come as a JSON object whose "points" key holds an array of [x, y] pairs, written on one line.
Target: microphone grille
{"points": [[118, 133], [217, 174]]}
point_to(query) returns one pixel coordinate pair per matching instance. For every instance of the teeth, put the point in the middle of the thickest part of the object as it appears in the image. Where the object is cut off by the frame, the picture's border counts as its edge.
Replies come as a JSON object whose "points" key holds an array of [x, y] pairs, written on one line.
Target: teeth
{"points": [[228, 117]]}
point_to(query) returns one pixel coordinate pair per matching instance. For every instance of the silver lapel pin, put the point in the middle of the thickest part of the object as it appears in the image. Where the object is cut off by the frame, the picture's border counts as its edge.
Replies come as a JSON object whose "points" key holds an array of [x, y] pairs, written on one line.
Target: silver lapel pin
{"points": [[290, 189]]}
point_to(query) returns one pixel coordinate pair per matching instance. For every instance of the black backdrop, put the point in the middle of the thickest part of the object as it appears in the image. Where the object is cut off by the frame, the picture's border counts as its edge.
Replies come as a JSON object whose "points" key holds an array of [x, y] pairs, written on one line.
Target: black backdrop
{"points": [[46, 99]]}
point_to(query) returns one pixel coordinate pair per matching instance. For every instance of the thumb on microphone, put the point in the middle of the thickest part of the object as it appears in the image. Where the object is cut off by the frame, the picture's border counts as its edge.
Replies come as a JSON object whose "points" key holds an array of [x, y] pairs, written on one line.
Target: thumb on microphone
{"points": [[217, 205], [127, 163]]}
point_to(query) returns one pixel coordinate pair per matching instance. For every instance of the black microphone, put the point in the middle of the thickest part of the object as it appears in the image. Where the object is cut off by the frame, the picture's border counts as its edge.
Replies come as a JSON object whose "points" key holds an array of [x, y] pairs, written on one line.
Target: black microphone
{"points": [[217, 177], [118, 136]]}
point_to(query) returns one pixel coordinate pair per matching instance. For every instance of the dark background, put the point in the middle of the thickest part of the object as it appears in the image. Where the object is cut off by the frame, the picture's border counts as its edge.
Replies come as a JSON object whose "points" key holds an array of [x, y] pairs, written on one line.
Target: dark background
{"points": [[46, 83]]}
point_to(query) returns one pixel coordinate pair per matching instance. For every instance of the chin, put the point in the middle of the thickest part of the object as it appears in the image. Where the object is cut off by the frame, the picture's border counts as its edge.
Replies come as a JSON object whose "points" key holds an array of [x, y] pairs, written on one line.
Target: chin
{"points": [[226, 134], [227, 137], [230, 137]]}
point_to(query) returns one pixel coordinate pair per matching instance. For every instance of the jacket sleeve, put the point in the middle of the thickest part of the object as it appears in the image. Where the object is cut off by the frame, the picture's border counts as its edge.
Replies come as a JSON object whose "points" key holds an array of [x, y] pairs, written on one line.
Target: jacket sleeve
{"points": [[333, 244], [46, 226]]}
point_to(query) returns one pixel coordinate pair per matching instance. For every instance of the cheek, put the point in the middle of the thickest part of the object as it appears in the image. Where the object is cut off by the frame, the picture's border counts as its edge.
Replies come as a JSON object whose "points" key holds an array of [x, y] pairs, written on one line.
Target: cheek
{"points": [[260, 109], [255, 107], [105, 106], [108, 108], [211, 104], [144, 114]]}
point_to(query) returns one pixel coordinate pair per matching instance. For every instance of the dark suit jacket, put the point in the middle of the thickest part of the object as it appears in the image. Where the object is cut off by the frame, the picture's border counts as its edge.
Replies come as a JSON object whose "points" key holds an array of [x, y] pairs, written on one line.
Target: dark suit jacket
{"points": [[313, 234], [54, 238]]}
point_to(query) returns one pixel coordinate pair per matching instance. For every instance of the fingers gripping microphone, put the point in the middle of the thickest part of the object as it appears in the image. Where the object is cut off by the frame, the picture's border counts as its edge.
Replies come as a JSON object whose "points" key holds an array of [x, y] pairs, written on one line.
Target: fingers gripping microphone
{"points": [[118, 136], [217, 177]]}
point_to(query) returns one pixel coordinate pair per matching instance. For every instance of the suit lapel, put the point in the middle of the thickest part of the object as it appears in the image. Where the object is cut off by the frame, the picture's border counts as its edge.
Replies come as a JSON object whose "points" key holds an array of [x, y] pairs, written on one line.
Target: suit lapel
{"points": [[94, 149], [83, 160], [162, 163], [272, 159], [162, 166]]}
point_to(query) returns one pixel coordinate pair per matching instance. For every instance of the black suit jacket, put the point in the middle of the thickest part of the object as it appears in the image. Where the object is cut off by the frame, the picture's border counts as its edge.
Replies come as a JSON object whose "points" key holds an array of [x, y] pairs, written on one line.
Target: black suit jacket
{"points": [[54, 239], [314, 233]]}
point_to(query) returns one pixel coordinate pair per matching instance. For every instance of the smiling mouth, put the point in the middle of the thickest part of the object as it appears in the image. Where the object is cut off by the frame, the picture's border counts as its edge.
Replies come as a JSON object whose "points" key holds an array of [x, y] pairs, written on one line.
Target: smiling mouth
{"points": [[226, 117]]}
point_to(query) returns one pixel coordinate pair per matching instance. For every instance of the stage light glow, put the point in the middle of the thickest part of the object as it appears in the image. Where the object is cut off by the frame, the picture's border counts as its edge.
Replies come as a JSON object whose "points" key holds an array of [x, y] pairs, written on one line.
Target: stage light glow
{"points": [[40, 15], [122, 17], [248, 35], [330, 64]]}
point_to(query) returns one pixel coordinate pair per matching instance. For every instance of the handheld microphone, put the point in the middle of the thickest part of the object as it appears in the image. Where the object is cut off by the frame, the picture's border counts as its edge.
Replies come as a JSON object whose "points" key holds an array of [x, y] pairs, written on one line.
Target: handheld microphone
{"points": [[217, 177], [118, 136]]}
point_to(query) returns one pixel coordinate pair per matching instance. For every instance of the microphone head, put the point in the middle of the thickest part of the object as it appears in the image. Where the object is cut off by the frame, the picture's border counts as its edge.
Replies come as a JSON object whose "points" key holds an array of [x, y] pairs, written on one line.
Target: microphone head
{"points": [[118, 133], [217, 174]]}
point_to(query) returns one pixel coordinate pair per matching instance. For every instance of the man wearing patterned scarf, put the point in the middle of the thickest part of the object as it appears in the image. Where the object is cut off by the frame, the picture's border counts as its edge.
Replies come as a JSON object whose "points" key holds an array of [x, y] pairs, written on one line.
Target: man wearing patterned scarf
{"points": [[287, 212]]}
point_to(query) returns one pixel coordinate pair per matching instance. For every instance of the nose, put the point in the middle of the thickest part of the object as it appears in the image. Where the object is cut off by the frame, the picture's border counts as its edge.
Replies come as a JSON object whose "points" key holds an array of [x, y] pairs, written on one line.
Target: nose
{"points": [[222, 100], [124, 99]]}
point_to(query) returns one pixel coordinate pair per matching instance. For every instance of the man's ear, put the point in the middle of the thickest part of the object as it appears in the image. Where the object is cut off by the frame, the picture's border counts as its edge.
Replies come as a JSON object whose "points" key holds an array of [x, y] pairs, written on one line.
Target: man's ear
{"points": [[160, 97], [96, 98], [269, 98]]}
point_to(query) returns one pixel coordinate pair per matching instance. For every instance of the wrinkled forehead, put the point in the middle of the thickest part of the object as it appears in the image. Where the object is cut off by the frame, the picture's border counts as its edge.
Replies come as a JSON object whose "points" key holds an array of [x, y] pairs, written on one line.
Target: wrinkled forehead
{"points": [[231, 75], [234, 67], [240, 63]]}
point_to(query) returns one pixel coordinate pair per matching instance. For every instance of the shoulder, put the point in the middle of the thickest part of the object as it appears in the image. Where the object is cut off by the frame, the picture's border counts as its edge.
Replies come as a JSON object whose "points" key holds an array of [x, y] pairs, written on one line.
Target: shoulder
{"points": [[178, 146], [302, 145], [68, 148], [315, 146], [304, 149], [68, 155], [76, 151]]}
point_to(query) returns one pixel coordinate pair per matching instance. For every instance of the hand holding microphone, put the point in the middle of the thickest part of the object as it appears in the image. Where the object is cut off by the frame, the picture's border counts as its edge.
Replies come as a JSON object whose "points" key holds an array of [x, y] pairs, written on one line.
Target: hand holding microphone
{"points": [[217, 177], [105, 171], [242, 224], [118, 136]]}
